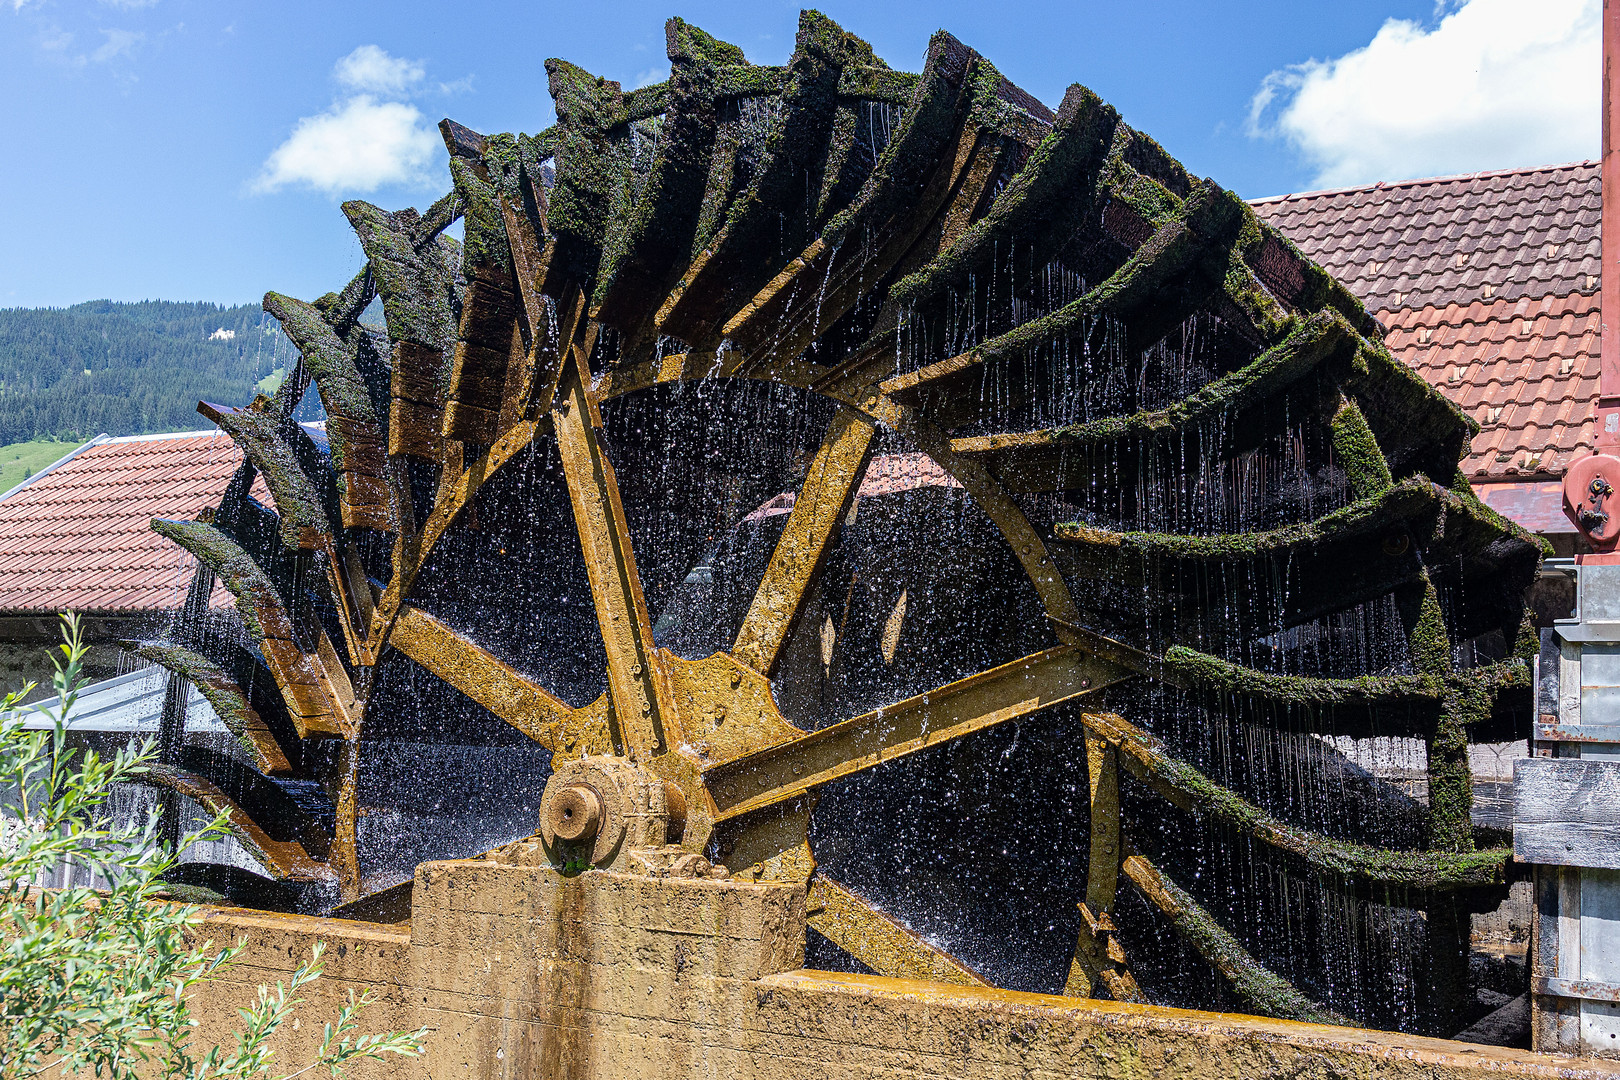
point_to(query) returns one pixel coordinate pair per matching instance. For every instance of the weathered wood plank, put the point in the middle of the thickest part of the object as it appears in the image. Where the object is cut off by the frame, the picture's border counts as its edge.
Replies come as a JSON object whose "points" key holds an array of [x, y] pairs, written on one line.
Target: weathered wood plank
{"points": [[1262, 990], [1580, 733], [1586, 990], [1566, 812]]}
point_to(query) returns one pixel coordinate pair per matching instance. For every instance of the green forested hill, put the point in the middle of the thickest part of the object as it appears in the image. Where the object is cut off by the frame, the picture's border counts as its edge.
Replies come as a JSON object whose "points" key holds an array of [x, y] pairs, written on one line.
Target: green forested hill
{"points": [[129, 369]]}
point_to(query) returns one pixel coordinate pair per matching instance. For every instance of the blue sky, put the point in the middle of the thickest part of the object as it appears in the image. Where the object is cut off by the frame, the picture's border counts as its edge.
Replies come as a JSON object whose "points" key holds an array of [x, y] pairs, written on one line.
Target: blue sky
{"points": [[198, 149]]}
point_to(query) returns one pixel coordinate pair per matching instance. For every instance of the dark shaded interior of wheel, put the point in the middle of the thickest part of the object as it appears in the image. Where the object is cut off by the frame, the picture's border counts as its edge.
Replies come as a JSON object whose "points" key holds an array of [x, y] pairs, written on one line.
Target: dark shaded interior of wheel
{"points": [[976, 517]]}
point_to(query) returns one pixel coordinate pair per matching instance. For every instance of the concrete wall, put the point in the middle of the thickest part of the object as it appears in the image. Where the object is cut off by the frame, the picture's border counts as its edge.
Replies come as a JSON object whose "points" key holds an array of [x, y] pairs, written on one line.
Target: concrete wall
{"points": [[522, 973]]}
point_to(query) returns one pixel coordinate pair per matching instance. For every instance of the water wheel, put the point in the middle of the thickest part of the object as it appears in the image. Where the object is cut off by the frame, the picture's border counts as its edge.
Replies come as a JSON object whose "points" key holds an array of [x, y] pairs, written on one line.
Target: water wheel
{"points": [[969, 513]]}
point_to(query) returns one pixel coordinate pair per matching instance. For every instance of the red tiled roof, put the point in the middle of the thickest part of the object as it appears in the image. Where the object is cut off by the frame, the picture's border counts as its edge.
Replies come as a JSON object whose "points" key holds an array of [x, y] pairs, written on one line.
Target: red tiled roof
{"points": [[1527, 370], [885, 474], [1453, 239], [889, 473], [77, 537], [1487, 285]]}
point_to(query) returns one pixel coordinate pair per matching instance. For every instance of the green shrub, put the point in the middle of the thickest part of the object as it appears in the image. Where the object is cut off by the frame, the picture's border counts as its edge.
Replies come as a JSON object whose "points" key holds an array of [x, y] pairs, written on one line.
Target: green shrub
{"points": [[95, 981]]}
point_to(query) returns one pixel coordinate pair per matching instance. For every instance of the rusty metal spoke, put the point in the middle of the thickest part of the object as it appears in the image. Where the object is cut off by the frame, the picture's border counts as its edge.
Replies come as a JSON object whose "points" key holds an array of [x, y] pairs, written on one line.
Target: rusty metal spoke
{"points": [[822, 502], [1010, 692], [498, 687], [878, 940], [643, 720]]}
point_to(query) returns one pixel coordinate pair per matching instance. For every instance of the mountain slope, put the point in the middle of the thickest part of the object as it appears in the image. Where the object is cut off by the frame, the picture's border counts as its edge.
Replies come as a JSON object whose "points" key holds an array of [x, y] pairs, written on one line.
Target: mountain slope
{"points": [[129, 368]]}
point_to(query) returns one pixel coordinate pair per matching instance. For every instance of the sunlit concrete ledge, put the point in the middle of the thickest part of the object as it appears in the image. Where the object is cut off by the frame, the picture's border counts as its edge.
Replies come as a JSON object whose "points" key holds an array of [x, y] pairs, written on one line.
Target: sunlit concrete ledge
{"points": [[523, 973]]}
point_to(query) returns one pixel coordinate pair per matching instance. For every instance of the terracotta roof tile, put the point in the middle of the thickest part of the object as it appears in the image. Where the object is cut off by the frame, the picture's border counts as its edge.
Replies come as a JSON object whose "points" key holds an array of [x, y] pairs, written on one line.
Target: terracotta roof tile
{"points": [[1526, 370], [77, 537], [1422, 243], [1487, 285]]}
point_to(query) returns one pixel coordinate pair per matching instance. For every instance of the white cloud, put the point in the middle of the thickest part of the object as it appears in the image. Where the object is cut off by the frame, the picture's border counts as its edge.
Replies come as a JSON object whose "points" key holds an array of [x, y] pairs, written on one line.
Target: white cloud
{"points": [[356, 146], [1494, 84], [118, 43], [650, 76], [364, 140], [370, 70]]}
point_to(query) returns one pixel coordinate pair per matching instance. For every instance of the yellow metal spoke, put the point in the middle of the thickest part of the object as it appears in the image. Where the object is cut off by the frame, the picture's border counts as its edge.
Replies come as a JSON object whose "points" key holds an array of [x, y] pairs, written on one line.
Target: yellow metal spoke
{"points": [[1021, 688], [643, 720], [877, 940], [498, 687], [822, 502]]}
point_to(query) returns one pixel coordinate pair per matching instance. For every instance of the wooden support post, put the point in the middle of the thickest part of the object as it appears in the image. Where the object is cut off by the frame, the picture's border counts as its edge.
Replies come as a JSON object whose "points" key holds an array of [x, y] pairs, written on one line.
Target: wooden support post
{"points": [[344, 857]]}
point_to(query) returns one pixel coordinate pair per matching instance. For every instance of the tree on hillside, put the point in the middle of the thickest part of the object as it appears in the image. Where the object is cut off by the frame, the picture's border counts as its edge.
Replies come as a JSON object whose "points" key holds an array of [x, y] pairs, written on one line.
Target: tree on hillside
{"points": [[130, 369]]}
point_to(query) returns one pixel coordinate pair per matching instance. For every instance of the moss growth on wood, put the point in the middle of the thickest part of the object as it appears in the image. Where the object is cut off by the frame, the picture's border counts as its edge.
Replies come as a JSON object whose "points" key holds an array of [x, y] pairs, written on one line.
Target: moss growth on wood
{"points": [[257, 600], [592, 162], [1187, 787], [1362, 706], [647, 242], [1357, 453], [412, 274], [486, 256], [1419, 429], [1451, 778], [1322, 342], [877, 83], [1041, 207], [299, 503], [1261, 989], [222, 693]]}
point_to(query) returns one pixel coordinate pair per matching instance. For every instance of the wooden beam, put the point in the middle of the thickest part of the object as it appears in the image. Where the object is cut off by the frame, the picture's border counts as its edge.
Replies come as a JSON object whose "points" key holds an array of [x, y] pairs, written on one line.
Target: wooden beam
{"points": [[344, 856], [1099, 958], [547, 330], [316, 687], [1102, 877], [1010, 692], [1261, 990], [229, 701], [823, 500], [285, 859], [416, 402], [1183, 786], [920, 170]]}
